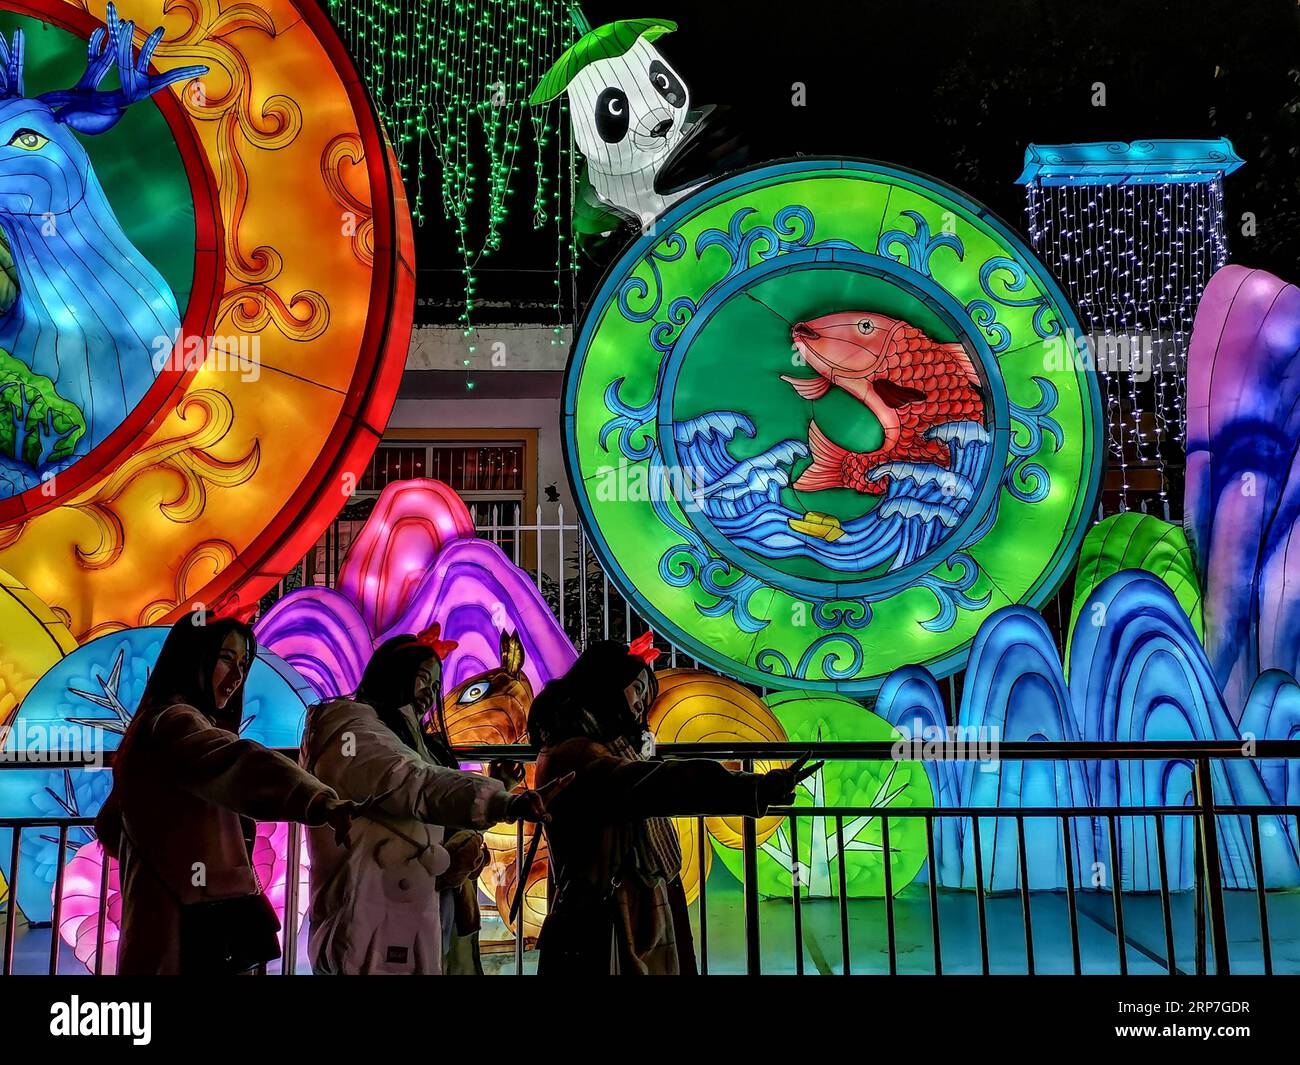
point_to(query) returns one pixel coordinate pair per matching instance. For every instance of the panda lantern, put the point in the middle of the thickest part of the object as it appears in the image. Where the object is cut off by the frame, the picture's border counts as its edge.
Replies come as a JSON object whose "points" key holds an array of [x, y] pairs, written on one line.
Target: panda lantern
{"points": [[632, 122]]}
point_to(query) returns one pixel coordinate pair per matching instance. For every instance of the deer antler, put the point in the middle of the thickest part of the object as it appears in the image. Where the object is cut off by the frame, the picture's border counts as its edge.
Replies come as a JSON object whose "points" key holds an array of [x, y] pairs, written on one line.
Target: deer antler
{"points": [[88, 110], [11, 76]]}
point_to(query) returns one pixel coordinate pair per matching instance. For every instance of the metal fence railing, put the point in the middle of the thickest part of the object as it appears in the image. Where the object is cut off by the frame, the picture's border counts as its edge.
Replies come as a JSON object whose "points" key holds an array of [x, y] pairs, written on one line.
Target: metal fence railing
{"points": [[1155, 943]]}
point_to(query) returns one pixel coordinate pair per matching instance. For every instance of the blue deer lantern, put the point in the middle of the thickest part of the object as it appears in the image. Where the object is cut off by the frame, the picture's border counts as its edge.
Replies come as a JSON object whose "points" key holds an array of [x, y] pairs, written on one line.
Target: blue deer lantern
{"points": [[86, 321]]}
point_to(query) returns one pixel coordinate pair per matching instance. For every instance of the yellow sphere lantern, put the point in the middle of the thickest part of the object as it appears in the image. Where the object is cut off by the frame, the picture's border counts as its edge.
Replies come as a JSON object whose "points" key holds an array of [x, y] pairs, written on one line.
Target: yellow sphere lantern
{"points": [[698, 707]]}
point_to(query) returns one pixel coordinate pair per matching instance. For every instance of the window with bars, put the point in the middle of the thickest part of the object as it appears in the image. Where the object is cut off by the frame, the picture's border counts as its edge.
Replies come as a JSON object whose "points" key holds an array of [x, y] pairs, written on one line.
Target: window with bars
{"points": [[488, 475], [477, 472]]}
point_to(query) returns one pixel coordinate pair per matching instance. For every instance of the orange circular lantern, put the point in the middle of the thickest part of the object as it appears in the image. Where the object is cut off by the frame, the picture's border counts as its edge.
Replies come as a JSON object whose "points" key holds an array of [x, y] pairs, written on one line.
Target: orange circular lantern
{"points": [[293, 310]]}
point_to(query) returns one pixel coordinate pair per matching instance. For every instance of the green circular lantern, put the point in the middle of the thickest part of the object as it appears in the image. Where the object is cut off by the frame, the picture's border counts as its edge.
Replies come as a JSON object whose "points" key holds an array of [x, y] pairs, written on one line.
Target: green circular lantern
{"points": [[824, 419], [879, 787]]}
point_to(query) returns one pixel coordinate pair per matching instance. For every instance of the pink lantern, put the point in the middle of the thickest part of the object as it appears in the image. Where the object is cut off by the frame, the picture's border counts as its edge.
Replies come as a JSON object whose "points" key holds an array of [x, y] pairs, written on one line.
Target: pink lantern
{"points": [[417, 561], [271, 863], [80, 915], [81, 880]]}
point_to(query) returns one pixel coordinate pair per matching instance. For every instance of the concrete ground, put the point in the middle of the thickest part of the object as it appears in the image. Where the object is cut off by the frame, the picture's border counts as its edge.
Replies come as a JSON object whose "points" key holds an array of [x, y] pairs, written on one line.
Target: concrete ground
{"points": [[1144, 941]]}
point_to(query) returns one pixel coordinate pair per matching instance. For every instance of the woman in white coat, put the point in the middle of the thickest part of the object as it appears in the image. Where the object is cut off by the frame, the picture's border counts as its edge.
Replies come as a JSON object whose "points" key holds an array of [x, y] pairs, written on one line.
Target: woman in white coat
{"points": [[375, 902]]}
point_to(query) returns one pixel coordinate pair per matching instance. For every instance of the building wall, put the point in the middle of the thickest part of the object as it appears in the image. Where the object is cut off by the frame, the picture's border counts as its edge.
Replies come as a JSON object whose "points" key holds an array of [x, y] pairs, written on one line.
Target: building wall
{"points": [[495, 348], [540, 414], [512, 381]]}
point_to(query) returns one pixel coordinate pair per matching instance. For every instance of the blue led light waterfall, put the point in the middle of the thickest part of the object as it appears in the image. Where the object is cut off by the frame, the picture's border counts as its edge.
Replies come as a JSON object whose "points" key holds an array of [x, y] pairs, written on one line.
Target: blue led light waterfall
{"points": [[1134, 231]]}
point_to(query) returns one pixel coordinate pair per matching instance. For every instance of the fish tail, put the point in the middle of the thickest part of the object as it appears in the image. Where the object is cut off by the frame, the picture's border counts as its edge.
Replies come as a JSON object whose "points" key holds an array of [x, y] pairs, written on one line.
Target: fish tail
{"points": [[827, 469]]}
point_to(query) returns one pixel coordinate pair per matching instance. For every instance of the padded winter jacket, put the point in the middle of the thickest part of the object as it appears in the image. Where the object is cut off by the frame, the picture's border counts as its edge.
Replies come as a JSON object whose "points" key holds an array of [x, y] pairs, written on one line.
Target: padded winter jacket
{"points": [[374, 903]]}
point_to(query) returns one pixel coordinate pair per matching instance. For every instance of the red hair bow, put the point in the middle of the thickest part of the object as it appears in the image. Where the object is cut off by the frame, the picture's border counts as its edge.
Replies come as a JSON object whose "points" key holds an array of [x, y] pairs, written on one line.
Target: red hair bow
{"points": [[441, 648], [643, 647]]}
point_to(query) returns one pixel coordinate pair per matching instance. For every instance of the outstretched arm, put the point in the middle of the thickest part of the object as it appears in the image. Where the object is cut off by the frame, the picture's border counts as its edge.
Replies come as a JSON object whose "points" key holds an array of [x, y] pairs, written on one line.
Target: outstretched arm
{"points": [[361, 758], [610, 788], [239, 774]]}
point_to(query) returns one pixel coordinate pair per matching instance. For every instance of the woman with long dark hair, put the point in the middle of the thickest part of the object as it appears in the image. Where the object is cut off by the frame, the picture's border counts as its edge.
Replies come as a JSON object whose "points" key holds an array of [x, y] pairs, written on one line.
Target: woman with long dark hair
{"points": [[377, 907], [618, 904], [182, 780], [467, 850]]}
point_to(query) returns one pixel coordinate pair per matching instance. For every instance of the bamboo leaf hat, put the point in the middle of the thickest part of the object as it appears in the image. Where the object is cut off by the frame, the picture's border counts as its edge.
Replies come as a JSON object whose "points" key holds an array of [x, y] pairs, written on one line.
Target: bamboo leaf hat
{"points": [[606, 42]]}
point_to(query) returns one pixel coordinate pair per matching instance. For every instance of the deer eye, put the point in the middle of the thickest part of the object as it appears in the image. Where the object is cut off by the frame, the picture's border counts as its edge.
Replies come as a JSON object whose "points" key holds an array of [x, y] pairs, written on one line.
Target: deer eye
{"points": [[474, 692], [29, 140], [866, 326]]}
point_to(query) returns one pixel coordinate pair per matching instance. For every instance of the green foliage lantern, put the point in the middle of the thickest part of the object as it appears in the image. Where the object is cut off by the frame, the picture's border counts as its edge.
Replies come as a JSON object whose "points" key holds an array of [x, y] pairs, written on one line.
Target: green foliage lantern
{"points": [[37, 425], [879, 786], [1133, 540]]}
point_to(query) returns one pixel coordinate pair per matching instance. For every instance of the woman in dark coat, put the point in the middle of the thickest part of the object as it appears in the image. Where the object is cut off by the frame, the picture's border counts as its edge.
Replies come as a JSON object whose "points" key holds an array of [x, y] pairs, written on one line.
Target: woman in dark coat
{"points": [[618, 906], [184, 785]]}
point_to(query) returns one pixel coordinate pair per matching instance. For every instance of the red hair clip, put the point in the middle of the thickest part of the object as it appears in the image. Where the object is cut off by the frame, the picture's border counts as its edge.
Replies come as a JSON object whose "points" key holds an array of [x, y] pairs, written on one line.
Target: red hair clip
{"points": [[441, 648], [643, 647]]}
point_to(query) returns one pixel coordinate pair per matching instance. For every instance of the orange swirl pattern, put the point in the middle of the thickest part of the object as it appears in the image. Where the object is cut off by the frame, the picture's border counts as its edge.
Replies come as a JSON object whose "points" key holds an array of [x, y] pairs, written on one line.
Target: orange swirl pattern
{"points": [[185, 455], [344, 151]]}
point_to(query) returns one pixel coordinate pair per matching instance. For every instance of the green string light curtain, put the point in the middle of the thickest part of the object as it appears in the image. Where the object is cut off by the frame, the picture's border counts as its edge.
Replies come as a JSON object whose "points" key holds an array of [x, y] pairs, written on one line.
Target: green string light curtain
{"points": [[452, 77]]}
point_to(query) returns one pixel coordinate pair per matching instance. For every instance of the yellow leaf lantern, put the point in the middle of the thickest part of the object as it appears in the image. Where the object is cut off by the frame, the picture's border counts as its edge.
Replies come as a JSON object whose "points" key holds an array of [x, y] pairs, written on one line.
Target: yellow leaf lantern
{"points": [[32, 640]]}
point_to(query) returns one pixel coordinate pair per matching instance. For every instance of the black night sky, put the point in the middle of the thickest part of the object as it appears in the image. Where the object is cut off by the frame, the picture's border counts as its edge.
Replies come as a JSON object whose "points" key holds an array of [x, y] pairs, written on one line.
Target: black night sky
{"points": [[956, 89]]}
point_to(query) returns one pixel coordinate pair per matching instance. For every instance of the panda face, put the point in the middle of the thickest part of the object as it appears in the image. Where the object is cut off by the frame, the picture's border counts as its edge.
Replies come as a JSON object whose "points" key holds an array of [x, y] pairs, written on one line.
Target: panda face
{"points": [[628, 112]]}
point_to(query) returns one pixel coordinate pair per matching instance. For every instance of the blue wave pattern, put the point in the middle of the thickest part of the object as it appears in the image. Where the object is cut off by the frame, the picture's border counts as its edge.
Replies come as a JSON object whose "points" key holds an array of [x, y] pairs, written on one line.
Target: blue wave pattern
{"points": [[984, 314], [1028, 481], [922, 503], [919, 246], [837, 655], [1001, 280], [1141, 674]]}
